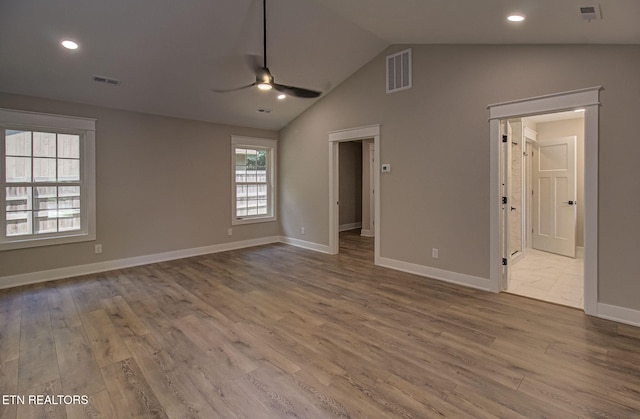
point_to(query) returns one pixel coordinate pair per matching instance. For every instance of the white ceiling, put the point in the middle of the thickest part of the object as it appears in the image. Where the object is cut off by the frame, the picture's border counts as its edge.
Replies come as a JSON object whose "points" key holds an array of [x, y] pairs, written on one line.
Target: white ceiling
{"points": [[168, 54]]}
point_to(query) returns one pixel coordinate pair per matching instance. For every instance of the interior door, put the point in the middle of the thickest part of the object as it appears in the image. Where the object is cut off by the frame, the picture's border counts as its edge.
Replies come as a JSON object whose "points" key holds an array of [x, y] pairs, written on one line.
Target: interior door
{"points": [[554, 212]]}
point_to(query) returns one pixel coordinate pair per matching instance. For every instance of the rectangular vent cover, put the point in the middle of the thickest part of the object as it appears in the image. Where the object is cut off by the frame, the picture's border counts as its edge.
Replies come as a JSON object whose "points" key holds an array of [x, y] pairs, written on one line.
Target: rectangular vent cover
{"points": [[107, 80], [399, 71]]}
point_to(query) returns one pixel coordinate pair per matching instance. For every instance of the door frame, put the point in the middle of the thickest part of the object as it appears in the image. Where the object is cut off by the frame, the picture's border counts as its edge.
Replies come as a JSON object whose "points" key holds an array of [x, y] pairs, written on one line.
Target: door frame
{"points": [[589, 100], [345, 135]]}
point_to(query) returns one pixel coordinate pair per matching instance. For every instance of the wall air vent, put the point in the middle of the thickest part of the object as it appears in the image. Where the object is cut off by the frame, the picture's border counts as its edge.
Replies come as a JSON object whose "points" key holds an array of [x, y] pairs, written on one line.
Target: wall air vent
{"points": [[107, 80], [590, 13], [399, 71]]}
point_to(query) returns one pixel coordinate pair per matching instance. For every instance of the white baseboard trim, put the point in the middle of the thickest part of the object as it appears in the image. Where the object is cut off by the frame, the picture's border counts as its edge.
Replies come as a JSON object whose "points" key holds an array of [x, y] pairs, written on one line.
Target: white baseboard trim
{"points": [[435, 273], [92, 268], [351, 226], [366, 233], [619, 314], [305, 244]]}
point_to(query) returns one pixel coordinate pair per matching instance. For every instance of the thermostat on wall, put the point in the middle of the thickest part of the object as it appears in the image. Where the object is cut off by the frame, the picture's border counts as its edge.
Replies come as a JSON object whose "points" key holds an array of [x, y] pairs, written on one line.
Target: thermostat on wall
{"points": [[386, 168]]}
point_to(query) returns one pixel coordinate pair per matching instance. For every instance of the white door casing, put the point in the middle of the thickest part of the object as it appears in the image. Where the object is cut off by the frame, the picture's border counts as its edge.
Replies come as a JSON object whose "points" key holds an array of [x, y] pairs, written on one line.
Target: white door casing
{"points": [[554, 209], [505, 175], [336, 137], [589, 100]]}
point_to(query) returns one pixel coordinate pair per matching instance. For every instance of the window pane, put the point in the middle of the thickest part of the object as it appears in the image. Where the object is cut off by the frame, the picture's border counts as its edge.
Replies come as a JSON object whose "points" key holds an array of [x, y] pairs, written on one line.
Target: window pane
{"points": [[262, 191], [68, 170], [18, 169], [18, 143], [241, 175], [44, 170], [45, 222], [252, 159], [44, 144], [262, 207], [18, 223], [69, 219], [69, 197], [18, 198], [45, 198], [69, 146]]}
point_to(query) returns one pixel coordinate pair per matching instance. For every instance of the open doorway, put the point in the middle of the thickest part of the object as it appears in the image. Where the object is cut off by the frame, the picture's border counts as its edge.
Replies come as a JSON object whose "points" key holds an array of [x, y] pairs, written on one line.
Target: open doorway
{"points": [[369, 135], [500, 266], [546, 212]]}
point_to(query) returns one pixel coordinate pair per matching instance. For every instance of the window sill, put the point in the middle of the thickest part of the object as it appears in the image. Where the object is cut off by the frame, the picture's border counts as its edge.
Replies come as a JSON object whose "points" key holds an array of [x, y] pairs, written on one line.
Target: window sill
{"points": [[46, 241], [253, 220]]}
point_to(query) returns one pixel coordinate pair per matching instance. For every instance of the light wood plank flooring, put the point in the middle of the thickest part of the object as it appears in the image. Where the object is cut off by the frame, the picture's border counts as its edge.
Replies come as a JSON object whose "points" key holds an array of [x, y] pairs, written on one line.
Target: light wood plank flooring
{"points": [[277, 331]]}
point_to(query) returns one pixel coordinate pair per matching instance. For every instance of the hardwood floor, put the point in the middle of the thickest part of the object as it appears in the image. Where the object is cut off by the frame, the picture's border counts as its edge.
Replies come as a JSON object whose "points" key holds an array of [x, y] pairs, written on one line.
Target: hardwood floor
{"points": [[277, 331]]}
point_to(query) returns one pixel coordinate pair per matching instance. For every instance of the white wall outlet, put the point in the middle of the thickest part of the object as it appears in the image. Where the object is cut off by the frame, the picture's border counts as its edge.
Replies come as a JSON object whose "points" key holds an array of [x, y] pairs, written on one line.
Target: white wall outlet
{"points": [[230, 232], [434, 253], [386, 168], [98, 248], [301, 230]]}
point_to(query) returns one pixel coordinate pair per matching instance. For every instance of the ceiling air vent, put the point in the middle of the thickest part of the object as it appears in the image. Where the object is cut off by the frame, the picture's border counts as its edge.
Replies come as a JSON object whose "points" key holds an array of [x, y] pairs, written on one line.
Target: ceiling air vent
{"points": [[590, 13], [399, 71], [107, 80], [262, 110]]}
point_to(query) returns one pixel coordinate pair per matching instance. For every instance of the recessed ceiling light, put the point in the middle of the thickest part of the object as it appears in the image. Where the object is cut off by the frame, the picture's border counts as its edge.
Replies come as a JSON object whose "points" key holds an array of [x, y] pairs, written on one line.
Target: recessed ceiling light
{"points": [[515, 18], [69, 44], [281, 96]]}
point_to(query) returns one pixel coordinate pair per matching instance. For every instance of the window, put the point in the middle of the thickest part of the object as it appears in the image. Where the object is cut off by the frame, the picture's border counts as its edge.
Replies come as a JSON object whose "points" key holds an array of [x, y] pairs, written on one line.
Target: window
{"points": [[253, 184], [47, 179]]}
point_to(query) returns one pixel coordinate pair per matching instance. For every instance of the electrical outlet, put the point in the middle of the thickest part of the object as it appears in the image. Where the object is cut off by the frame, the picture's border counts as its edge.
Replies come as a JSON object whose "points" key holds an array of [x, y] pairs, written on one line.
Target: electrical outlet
{"points": [[230, 232], [434, 253], [98, 248], [301, 230]]}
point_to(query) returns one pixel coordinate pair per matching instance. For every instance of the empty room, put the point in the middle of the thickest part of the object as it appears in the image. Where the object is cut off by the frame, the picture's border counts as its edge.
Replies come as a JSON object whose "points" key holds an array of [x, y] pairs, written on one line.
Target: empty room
{"points": [[314, 209]]}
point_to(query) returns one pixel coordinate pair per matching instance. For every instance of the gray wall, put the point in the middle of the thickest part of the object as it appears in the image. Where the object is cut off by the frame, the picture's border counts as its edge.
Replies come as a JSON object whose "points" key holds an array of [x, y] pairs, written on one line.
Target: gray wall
{"points": [[350, 168], [163, 184], [436, 137]]}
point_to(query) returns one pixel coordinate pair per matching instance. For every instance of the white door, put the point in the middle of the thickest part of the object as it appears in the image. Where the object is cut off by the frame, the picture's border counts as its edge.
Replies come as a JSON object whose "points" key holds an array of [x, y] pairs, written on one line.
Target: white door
{"points": [[554, 212]]}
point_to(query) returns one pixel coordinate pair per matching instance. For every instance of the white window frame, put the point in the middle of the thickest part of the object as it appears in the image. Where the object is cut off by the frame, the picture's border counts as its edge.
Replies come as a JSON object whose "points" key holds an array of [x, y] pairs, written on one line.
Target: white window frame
{"points": [[33, 121], [258, 143]]}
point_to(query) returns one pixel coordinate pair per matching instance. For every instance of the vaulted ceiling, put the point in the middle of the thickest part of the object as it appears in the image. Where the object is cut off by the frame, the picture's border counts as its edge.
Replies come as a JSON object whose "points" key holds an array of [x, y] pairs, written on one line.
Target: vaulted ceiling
{"points": [[169, 54]]}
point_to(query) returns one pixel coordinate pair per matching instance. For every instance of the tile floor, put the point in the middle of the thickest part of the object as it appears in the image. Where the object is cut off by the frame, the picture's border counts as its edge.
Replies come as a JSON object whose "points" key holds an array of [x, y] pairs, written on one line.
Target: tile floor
{"points": [[549, 277]]}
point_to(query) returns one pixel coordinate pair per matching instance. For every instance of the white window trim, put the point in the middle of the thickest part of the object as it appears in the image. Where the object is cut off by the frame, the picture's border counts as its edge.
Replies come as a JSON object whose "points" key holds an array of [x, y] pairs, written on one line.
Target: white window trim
{"points": [[240, 141], [85, 127]]}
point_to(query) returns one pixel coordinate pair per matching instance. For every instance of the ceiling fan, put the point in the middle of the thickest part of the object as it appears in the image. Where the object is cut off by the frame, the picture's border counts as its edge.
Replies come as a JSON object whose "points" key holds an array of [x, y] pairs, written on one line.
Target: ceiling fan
{"points": [[264, 79]]}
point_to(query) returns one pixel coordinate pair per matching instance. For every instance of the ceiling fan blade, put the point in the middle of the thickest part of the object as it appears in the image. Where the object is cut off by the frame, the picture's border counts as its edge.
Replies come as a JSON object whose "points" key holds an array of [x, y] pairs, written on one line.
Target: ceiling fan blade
{"points": [[234, 89], [296, 91]]}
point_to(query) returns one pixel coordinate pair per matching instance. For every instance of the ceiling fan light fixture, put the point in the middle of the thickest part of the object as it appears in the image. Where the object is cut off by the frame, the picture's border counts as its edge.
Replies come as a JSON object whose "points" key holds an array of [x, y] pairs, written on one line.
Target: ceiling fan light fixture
{"points": [[264, 86], [68, 44]]}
